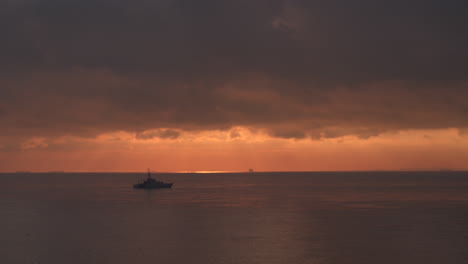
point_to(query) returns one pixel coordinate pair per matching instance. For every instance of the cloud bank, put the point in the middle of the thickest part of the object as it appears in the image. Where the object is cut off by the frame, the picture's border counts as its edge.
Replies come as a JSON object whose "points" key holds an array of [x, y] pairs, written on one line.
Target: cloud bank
{"points": [[297, 69]]}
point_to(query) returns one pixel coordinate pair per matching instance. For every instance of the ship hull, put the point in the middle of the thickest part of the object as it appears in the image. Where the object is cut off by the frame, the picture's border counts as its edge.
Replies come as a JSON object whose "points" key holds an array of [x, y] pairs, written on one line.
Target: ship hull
{"points": [[158, 186]]}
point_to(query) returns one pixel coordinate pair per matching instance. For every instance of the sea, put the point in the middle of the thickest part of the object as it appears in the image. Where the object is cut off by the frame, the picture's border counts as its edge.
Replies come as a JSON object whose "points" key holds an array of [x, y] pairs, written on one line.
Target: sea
{"points": [[263, 217]]}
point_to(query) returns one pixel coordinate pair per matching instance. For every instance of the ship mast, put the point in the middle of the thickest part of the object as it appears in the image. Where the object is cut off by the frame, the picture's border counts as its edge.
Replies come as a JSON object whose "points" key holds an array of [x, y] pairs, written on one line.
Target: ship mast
{"points": [[149, 174]]}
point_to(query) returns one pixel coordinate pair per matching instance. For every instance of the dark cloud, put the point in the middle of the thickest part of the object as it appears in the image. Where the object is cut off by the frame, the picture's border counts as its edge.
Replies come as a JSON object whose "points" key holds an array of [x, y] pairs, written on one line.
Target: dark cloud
{"points": [[285, 132], [296, 68], [234, 134], [160, 133]]}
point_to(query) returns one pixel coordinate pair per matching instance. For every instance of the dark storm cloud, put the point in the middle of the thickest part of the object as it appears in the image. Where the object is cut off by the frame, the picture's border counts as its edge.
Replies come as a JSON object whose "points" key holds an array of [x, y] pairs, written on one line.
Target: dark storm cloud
{"points": [[297, 68]]}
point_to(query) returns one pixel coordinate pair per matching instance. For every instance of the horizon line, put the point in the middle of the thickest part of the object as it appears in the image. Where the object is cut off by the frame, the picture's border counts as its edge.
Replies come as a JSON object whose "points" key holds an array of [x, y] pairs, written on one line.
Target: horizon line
{"points": [[227, 172]]}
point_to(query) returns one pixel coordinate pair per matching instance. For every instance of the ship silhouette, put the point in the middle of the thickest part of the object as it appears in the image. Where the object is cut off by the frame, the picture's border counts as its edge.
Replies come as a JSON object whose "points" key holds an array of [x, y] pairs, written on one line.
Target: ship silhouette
{"points": [[151, 183]]}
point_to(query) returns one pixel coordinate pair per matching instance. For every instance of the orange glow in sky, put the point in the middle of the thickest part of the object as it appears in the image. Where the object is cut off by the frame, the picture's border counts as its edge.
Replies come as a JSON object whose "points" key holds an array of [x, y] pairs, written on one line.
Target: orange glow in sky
{"points": [[240, 149]]}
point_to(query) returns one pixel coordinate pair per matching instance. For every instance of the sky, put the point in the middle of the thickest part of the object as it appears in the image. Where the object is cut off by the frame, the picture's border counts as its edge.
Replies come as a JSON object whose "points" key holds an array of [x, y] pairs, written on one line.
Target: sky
{"points": [[218, 85]]}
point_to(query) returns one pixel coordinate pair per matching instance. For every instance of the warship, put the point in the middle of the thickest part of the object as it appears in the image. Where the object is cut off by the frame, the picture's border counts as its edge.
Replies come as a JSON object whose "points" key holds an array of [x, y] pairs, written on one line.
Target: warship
{"points": [[151, 183]]}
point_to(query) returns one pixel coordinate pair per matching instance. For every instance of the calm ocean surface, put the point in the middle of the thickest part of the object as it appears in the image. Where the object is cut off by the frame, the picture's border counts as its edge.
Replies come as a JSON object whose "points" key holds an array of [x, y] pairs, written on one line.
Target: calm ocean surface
{"points": [[370, 217]]}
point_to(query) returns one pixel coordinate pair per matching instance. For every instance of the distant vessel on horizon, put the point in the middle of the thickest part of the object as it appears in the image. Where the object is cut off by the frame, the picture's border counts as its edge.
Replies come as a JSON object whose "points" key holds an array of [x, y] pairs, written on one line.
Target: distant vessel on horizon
{"points": [[151, 183]]}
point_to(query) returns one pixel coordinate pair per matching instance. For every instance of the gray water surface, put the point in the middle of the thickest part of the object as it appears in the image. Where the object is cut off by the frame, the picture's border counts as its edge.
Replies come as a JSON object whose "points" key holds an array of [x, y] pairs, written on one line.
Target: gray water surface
{"points": [[358, 217]]}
